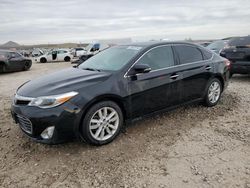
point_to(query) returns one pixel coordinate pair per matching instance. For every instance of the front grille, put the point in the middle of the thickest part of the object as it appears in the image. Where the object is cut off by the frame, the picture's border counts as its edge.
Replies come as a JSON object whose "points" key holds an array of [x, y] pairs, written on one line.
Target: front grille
{"points": [[25, 124]]}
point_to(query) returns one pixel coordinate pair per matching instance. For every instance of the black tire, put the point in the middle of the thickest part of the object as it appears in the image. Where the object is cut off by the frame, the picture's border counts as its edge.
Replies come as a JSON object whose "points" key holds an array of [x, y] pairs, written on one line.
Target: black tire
{"points": [[231, 75], [27, 66], [207, 101], [43, 60], [2, 67], [67, 59], [85, 126]]}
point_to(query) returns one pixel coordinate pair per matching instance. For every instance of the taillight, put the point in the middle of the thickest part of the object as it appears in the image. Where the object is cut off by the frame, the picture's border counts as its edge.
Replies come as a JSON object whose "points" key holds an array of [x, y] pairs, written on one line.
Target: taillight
{"points": [[227, 63]]}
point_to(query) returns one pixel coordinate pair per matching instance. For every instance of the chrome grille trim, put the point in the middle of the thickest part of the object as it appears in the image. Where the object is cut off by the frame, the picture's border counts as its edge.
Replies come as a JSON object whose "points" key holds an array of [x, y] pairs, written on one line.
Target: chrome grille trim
{"points": [[25, 124]]}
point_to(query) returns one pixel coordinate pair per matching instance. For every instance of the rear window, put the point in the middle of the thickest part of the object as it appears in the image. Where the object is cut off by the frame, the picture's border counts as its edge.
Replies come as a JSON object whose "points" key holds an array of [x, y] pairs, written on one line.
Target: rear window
{"points": [[217, 45], [188, 54], [240, 41], [206, 54]]}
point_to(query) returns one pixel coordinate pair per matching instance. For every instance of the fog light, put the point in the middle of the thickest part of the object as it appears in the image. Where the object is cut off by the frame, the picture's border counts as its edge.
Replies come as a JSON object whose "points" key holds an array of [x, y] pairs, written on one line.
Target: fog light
{"points": [[48, 132]]}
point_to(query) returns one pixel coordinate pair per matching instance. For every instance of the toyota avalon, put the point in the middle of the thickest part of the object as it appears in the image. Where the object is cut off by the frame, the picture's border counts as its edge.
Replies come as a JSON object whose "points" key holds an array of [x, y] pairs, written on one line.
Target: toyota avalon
{"points": [[94, 100]]}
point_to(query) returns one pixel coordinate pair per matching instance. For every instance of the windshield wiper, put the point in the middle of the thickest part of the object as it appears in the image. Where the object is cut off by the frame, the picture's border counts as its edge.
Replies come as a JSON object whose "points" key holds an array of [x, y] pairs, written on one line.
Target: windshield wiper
{"points": [[92, 69]]}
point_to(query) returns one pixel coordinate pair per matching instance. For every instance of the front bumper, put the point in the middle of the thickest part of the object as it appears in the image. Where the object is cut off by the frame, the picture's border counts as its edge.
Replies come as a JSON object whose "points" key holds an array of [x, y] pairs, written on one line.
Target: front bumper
{"points": [[65, 118], [240, 67]]}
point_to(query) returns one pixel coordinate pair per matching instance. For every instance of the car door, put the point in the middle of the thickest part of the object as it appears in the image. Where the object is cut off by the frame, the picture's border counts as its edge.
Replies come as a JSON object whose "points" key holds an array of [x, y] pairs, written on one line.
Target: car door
{"points": [[157, 89], [61, 55], [16, 61], [195, 71], [49, 56]]}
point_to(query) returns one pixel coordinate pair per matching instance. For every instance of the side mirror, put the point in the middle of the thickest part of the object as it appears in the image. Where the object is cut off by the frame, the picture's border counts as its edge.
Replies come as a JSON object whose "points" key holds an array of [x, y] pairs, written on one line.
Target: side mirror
{"points": [[141, 68]]}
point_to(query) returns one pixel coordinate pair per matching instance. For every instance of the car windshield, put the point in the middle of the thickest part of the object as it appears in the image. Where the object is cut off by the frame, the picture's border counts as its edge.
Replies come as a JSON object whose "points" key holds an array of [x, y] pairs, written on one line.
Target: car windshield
{"points": [[112, 59], [217, 45], [240, 41]]}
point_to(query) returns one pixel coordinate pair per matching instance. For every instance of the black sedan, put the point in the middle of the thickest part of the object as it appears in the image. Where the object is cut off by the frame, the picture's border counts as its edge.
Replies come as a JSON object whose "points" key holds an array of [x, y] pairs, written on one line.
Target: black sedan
{"points": [[12, 61], [238, 52], [94, 100]]}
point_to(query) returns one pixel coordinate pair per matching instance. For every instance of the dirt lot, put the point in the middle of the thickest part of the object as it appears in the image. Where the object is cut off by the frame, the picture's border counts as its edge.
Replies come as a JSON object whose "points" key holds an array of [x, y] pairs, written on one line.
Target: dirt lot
{"points": [[192, 146]]}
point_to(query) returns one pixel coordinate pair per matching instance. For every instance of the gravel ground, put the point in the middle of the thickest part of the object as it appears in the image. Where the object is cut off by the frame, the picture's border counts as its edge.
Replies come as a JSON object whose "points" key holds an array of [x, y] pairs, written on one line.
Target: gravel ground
{"points": [[192, 146]]}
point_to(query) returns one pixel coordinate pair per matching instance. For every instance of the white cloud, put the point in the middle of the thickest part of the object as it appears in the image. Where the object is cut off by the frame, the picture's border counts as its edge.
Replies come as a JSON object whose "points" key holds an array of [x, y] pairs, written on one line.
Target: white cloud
{"points": [[47, 21]]}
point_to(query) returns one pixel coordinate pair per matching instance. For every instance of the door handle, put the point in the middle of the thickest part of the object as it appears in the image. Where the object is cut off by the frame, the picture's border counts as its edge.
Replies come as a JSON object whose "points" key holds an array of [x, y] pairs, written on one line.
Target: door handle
{"points": [[174, 76], [208, 67]]}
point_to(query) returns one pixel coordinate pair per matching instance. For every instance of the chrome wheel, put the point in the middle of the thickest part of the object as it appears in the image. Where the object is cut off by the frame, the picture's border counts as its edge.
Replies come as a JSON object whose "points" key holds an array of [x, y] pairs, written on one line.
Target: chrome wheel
{"points": [[214, 92], [104, 123]]}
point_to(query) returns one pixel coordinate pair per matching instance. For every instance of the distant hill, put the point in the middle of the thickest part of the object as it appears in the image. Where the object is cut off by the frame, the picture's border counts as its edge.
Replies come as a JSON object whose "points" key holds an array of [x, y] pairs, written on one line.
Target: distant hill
{"points": [[10, 44]]}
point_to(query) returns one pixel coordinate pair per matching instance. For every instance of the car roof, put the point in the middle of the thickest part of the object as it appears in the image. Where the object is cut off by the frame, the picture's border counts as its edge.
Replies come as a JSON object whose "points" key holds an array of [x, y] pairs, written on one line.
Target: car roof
{"points": [[157, 43]]}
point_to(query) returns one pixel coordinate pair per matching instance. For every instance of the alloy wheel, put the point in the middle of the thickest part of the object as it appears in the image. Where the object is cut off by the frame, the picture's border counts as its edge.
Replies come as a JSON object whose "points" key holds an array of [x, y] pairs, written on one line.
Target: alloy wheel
{"points": [[214, 92], [104, 123]]}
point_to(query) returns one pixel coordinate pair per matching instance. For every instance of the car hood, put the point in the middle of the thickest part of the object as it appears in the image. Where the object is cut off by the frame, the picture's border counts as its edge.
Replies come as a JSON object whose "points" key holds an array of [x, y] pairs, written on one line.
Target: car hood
{"points": [[67, 80]]}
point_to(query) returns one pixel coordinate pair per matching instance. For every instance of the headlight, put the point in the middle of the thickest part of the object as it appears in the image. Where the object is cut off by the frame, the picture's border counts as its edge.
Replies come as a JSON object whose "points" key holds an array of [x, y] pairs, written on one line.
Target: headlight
{"points": [[52, 101]]}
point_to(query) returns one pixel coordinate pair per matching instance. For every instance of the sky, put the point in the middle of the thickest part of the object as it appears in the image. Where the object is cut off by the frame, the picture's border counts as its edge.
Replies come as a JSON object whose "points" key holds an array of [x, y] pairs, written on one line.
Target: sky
{"points": [[59, 21]]}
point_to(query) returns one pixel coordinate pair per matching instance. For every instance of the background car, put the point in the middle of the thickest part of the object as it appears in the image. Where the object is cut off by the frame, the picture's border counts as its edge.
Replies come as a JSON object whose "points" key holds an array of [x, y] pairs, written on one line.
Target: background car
{"points": [[238, 52], [55, 55], [37, 52], [76, 52], [217, 45], [13, 61], [90, 51], [93, 100]]}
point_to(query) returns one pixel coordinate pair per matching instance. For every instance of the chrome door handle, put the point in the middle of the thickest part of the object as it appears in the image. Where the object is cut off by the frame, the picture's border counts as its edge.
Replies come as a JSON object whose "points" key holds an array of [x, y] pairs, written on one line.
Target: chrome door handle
{"points": [[174, 76], [208, 67]]}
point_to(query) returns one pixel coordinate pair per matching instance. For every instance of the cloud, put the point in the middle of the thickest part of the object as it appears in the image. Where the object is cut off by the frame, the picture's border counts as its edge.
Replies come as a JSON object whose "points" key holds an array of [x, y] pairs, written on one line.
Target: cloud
{"points": [[48, 21]]}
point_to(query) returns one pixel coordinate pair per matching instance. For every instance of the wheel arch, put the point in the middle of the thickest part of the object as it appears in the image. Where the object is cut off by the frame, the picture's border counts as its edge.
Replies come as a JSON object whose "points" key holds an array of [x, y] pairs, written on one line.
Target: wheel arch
{"points": [[2, 64], [43, 58], [107, 97], [67, 57], [219, 77]]}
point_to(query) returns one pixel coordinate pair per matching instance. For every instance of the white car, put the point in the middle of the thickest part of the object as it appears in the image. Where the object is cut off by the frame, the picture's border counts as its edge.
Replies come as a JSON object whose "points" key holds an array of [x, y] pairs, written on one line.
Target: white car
{"points": [[55, 55], [94, 48], [78, 52]]}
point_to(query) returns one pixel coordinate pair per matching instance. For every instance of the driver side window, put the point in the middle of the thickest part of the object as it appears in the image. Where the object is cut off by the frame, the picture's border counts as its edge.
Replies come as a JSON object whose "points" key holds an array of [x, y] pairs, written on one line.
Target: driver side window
{"points": [[158, 58], [14, 55]]}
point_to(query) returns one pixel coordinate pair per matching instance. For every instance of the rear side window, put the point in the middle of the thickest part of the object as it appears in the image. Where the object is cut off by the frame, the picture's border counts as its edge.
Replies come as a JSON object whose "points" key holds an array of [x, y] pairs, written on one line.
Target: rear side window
{"points": [[158, 58], [188, 54], [206, 54], [61, 51], [240, 41]]}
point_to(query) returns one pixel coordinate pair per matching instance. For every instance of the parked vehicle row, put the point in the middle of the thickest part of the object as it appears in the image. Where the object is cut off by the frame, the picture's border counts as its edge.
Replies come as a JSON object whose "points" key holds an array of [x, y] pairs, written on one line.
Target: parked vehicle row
{"points": [[92, 101]]}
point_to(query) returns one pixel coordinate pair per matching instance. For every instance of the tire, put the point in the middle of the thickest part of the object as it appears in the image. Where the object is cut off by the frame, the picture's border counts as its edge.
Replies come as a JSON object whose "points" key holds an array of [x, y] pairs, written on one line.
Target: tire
{"points": [[67, 59], [231, 75], [27, 66], [213, 92], [2, 68], [98, 131], [43, 60]]}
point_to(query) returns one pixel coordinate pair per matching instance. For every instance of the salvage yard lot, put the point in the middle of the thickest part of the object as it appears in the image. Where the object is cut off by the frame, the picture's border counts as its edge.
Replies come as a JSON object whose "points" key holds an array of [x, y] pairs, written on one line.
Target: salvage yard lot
{"points": [[192, 146]]}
